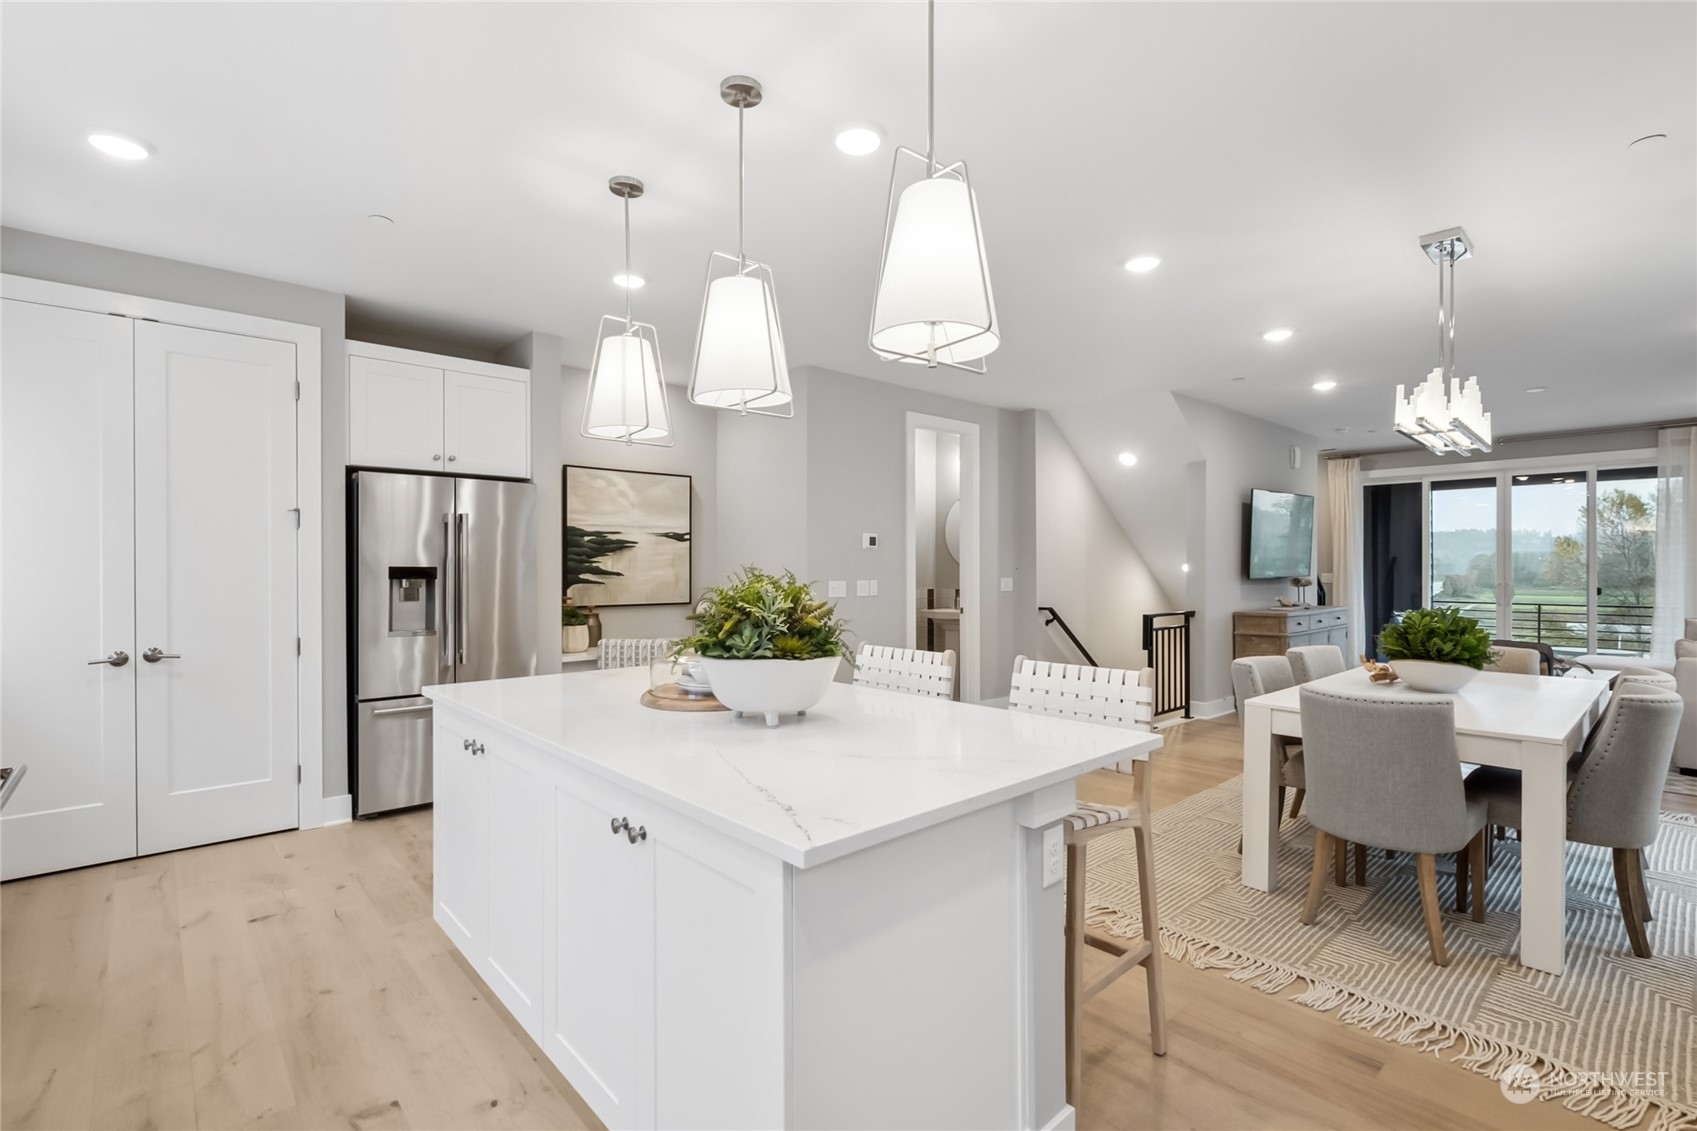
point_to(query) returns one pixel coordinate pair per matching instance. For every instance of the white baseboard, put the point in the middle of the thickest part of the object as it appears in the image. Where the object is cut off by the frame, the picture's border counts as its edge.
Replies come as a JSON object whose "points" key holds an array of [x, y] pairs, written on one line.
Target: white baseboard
{"points": [[1065, 1119], [1212, 708], [338, 810]]}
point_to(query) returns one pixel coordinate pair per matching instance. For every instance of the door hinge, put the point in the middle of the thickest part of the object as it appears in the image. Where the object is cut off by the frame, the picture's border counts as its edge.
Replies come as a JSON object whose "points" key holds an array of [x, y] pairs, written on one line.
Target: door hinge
{"points": [[296, 511], [297, 645], [297, 390], [297, 775]]}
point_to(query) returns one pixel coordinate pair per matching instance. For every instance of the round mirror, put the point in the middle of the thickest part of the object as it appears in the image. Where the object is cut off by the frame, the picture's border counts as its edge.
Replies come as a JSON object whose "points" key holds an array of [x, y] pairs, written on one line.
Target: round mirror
{"points": [[951, 530]]}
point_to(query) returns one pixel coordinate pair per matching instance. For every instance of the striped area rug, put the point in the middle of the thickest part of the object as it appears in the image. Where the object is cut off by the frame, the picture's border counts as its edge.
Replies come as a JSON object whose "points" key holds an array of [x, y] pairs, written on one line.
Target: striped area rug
{"points": [[1366, 958]]}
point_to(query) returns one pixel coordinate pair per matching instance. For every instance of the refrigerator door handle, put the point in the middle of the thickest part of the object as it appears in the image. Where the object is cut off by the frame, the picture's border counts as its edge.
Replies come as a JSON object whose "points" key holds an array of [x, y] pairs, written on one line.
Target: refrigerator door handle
{"points": [[459, 585], [448, 583]]}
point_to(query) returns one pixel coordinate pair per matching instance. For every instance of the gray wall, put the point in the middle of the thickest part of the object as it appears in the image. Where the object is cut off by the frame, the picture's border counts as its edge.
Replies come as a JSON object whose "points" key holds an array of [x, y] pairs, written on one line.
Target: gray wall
{"points": [[694, 453], [1239, 453], [89, 265], [540, 353]]}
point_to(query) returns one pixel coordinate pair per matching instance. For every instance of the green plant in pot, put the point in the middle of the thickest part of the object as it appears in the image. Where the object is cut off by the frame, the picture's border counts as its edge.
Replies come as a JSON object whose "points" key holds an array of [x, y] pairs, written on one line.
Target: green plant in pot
{"points": [[1436, 649], [766, 643], [574, 629]]}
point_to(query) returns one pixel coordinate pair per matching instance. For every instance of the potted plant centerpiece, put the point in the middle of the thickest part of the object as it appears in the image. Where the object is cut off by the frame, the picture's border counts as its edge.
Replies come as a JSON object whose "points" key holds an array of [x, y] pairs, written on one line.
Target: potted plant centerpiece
{"points": [[767, 645], [1436, 649], [574, 629]]}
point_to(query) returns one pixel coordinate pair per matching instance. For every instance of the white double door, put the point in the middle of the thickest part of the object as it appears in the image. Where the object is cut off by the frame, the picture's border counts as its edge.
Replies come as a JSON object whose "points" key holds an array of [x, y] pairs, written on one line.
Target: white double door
{"points": [[148, 597]]}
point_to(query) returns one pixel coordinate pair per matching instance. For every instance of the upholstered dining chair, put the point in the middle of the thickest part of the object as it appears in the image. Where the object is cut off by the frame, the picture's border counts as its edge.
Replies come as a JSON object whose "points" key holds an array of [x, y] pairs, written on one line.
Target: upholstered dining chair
{"points": [[1385, 772], [632, 652], [1263, 675], [1519, 661], [912, 670], [1315, 661], [1117, 697], [1646, 677], [1614, 796]]}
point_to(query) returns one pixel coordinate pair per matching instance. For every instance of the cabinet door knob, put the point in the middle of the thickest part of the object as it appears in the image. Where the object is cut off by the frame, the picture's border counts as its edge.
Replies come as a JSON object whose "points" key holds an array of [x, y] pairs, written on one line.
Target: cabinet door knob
{"points": [[477, 748], [451, 459], [466, 745], [636, 834], [620, 824], [438, 455]]}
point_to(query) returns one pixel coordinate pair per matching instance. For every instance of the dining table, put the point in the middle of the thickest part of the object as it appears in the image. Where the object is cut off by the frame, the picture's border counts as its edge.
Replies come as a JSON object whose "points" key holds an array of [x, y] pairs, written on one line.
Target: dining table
{"points": [[1528, 723]]}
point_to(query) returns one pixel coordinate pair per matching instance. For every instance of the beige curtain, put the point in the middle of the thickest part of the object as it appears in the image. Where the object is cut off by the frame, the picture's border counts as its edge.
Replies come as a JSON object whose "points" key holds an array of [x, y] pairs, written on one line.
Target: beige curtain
{"points": [[1344, 497], [1676, 538]]}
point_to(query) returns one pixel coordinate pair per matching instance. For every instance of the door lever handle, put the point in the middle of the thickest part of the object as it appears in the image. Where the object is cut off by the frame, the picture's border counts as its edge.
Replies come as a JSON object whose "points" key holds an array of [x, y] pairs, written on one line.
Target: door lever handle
{"points": [[154, 655], [116, 659]]}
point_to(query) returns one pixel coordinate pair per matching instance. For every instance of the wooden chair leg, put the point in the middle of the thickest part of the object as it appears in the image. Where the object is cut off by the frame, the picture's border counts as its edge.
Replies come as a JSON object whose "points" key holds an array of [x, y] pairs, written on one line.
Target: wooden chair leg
{"points": [[1643, 904], [1461, 872], [1075, 971], [1479, 857], [1361, 865], [1296, 803], [1426, 865], [1282, 792], [1151, 916], [1340, 867], [1625, 861], [1317, 877]]}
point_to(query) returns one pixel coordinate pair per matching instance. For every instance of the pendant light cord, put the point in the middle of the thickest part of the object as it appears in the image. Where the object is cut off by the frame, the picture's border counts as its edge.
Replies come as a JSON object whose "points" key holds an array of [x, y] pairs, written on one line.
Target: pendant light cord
{"points": [[742, 178], [931, 85], [629, 278]]}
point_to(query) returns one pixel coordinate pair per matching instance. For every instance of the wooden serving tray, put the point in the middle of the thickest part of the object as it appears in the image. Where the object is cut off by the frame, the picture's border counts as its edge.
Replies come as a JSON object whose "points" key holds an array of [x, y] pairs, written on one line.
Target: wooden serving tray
{"points": [[671, 697]]}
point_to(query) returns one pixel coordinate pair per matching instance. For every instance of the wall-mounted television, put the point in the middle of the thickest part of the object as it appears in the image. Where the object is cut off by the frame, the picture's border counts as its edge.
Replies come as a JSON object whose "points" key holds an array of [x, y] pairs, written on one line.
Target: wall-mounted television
{"points": [[1281, 535]]}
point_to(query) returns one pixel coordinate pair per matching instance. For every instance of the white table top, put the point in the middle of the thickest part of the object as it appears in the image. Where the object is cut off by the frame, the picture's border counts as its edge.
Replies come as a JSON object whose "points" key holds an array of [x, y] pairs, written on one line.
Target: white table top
{"points": [[863, 767], [1531, 708]]}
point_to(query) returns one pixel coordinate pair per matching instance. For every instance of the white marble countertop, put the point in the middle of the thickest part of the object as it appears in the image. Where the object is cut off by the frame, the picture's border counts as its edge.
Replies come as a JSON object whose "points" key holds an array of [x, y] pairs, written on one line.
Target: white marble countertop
{"points": [[863, 767]]}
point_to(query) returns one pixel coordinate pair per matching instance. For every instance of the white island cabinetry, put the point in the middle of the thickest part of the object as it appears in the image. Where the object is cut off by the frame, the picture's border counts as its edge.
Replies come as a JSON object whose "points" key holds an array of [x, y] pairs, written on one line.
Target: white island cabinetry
{"points": [[705, 923]]}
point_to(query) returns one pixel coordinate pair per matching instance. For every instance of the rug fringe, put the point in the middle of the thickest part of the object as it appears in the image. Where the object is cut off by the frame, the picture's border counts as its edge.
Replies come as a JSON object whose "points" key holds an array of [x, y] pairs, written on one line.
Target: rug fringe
{"points": [[1480, 1054], [1679, 819]]}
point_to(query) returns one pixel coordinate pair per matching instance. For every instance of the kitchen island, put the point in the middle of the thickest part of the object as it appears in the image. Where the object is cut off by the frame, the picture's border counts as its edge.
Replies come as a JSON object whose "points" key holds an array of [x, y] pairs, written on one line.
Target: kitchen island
{"points": [[845, 921]]}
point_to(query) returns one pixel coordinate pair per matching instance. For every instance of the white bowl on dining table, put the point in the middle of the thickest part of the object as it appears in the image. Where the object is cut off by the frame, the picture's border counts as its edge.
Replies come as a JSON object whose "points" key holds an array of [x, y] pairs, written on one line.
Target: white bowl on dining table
{"points": [[1430, 675]]}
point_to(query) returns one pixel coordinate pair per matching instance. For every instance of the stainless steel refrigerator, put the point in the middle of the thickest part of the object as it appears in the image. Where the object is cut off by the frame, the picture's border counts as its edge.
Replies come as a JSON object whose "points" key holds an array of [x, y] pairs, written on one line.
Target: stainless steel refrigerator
{"points": [[442, 590]]}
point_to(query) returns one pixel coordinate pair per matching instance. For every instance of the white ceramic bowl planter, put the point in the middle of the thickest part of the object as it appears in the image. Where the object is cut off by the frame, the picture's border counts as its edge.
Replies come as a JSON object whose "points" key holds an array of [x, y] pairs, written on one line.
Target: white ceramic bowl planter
{"points": [[770, 687], [1430, 675]]}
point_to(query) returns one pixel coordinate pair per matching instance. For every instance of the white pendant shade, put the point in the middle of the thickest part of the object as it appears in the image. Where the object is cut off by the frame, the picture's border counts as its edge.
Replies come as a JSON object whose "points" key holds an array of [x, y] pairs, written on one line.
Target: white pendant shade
{"points": [[739, 352], [934, 303], [627, 397]]}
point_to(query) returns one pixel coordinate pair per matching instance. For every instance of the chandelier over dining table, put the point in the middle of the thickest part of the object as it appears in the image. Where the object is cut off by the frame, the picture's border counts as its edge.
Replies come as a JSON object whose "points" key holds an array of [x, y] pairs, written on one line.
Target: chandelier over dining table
{"points": [[1443, 413]]}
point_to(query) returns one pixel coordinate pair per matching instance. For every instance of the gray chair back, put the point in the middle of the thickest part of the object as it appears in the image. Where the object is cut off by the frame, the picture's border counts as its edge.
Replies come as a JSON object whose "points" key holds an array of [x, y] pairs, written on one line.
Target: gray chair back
{"points": [[1616, 795], [1315, 661], [1385, 772], [1259, 675], [1645, 677]]}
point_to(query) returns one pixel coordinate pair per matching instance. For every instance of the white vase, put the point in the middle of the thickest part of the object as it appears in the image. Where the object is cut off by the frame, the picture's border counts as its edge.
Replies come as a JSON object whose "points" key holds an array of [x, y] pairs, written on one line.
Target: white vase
{"points": [[770, 687], [1430, 675], [574, 638]]}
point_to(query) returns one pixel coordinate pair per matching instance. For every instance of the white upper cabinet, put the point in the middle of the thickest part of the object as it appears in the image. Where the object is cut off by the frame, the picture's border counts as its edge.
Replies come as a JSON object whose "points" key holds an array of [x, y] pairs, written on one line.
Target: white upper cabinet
{"points": [[416, 410]]}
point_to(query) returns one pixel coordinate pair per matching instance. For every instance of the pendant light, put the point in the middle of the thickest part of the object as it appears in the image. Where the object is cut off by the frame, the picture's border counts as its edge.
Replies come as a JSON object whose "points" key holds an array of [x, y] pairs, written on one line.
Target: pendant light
{"points": [[1457, 422], [739, 345], [627, 389], [933, 305]]}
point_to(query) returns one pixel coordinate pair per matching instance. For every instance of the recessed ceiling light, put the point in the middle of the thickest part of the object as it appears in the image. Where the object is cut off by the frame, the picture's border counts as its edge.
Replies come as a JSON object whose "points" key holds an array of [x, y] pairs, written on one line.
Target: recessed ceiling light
{"points": [[1185, 567], [857, 139], [1324, 386], [1539, 389], [1646, 137], [630, 282], [1127, 459], [1278, 335], [122, 147], [1138, 264]]}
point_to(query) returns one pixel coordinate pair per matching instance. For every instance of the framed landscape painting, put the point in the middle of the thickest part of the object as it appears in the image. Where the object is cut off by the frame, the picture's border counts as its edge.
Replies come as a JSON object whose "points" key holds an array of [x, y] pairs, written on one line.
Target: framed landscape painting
{"points": [[627, 539]]}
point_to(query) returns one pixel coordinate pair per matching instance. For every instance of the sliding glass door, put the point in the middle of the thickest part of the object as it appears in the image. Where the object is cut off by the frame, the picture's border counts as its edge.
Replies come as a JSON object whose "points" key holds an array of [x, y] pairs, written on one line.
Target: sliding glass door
{"points": [[1548, 555]]}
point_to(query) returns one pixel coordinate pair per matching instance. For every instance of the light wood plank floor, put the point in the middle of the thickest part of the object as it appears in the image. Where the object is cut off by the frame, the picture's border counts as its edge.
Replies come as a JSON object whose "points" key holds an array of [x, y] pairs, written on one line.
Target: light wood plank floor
{"points": [[297, 981]]}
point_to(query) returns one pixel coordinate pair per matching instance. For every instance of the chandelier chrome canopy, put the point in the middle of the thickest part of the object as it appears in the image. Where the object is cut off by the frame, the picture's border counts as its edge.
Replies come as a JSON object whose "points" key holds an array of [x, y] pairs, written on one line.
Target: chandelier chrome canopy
{"points": [[739, 344], [627, 388], [1456, 422], [933, 304]]}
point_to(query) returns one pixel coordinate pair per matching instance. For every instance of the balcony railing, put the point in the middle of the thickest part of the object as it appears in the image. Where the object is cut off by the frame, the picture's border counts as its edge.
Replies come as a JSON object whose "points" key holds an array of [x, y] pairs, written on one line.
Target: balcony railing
{"points": [[1622, 629]]}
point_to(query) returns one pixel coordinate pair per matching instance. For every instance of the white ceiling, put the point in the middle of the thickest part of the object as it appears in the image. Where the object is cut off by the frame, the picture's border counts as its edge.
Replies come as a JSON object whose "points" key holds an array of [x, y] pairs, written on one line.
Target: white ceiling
{"points": [[1282, 159]]}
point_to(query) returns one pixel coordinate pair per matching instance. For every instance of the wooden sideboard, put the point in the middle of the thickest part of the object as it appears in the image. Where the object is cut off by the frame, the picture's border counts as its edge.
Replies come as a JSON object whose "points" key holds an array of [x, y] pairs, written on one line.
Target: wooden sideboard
{"points": [[1272, 632]]}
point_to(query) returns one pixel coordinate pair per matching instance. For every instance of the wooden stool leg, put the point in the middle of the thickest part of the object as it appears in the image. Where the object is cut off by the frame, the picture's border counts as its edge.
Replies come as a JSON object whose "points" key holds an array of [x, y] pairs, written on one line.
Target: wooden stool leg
{"points": [[1479, 856], [1317, 877], [1151, 917], [1075, 970], [1426, 865]]}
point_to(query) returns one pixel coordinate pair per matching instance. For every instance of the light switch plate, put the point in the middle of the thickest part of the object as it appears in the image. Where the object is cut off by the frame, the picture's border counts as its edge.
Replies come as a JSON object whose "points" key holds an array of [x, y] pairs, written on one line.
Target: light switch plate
{"points": [[1007, 585], [836, 589], [1054, 855], [874, 584], [863, 589]]}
